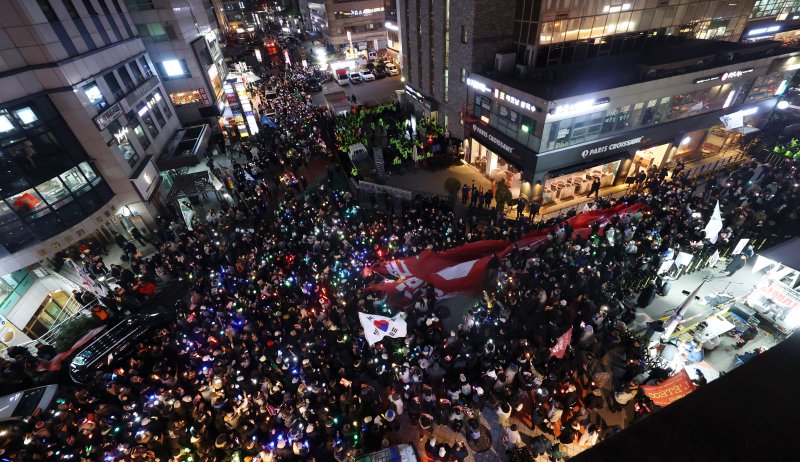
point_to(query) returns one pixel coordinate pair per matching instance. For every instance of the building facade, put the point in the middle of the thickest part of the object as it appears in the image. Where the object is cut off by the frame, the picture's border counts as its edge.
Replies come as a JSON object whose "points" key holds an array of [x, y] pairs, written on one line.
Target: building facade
{"points": [[550, 32], [442, 43], [548, 139], [394, 43], [359, 24], [528, 36], [315, 18], [774, 20], [82, 116], [184, 43]]}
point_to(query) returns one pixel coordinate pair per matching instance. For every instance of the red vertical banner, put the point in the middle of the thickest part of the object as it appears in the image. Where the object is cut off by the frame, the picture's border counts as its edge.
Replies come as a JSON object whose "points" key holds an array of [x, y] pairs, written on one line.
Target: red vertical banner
{"points": [[561, 345], [670, 390]]}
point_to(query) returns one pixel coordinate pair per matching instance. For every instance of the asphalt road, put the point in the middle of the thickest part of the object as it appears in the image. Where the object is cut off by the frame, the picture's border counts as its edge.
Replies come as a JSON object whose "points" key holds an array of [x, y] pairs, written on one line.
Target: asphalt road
{"points": [[367, 93]]}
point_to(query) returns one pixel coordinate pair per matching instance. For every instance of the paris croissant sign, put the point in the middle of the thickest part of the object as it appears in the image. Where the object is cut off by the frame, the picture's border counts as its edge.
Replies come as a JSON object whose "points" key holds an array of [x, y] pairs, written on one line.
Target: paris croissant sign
{"points": [[586, 153]]}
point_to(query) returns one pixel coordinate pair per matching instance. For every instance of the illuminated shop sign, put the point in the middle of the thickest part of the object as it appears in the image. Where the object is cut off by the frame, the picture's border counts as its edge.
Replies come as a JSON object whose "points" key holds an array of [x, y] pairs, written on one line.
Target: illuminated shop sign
{"points": [[707, 79], [735, 74], [357, 13], [483, 88], [763, 30], [496, 141], [586, 153], [480, 86], [579, 105], [108, 116], [725, 76]]}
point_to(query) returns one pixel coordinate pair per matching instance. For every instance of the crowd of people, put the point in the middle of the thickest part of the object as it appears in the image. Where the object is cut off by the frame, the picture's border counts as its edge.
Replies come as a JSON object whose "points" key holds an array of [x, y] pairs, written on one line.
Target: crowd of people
{"points": [[266, 360]]}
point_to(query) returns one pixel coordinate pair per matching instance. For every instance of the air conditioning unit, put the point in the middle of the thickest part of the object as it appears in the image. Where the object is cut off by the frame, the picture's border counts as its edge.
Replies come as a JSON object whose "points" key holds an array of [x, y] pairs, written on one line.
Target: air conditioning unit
{"points": [[521, 70]]}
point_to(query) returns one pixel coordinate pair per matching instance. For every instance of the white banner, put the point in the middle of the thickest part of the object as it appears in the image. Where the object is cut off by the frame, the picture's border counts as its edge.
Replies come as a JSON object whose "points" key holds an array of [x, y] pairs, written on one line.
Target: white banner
{"points": [[740, 246], [89, 284], [714, 225], [376, 327], [187, 212]]}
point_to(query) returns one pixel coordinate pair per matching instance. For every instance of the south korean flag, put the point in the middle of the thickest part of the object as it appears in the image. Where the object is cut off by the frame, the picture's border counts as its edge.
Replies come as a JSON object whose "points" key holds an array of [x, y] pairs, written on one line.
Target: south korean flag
{"points": [[376, 327]]}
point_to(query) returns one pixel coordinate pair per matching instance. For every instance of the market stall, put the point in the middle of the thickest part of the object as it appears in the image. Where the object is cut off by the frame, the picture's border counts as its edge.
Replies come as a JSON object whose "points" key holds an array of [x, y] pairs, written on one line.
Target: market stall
{"points": [[775, 297]]}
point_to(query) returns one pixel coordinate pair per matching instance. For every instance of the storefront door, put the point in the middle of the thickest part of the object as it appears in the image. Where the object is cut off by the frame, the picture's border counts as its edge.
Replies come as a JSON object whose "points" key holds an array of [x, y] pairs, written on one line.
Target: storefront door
{"points": [[654, 156]]}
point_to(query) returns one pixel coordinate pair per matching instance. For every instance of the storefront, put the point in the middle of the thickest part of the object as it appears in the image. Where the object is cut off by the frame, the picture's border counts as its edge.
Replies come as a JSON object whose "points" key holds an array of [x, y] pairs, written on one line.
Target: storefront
{"points": [[423, 105], [498, 157], [776, 298]]}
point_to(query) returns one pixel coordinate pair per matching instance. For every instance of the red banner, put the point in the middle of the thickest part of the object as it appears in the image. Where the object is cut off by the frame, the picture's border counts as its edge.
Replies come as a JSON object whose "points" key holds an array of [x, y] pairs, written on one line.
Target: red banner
{"points": [[670, 390], [561, 345], [462, 270]]}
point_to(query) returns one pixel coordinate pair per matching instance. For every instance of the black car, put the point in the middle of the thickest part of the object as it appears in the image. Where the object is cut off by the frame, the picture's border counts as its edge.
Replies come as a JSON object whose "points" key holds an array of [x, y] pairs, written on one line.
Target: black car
{"points": [[378, 73], [313, 85], [115, 342]]}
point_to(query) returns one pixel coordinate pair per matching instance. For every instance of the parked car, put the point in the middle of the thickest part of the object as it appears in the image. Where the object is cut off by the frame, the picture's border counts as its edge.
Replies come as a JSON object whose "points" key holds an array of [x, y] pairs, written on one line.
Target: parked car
{"points": [[115, 342], [22, 404], [379, 73], [355, 78], [322, 76], [391, 69], [342, 78], [313, 85], [366, 75]]}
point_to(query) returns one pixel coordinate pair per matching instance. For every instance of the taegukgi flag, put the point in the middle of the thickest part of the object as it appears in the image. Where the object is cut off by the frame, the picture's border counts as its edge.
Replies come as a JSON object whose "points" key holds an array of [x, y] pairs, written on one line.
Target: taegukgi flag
{"points": [[376, 327]]}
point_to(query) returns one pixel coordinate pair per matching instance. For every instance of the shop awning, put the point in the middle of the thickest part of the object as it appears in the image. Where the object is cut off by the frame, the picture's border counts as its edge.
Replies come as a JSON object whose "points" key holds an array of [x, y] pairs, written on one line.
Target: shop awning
{"points": [[186, 148], [589, 164], [191, 184], [745, 130], [787, 253]]}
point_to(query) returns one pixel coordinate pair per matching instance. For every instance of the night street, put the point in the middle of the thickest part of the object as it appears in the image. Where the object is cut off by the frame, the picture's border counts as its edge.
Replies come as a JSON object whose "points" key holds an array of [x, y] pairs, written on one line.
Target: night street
{"points": [[565, 231]]}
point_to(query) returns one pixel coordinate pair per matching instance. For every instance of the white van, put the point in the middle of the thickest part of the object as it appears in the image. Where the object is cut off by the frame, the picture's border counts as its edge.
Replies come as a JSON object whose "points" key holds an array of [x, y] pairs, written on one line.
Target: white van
{"points": [[357, 152], [391, 69]]}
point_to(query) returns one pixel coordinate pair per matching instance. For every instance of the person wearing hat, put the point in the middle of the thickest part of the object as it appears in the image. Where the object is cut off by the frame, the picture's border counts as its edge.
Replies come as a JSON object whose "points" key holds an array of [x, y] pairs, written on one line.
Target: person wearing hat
{"points": [[624, 396], [503, 414], [425, 425]]}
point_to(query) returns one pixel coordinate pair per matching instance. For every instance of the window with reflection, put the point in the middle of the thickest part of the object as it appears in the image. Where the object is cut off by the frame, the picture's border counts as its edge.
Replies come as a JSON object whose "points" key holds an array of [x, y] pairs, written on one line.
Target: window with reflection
{"points": [[27, 202], [14, 235], [147, 118], [45, 186]]}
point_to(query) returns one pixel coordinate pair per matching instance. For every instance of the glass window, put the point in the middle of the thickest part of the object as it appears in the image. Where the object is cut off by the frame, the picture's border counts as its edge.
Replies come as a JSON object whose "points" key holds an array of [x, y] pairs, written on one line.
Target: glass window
{"points": [[5, 122], [113, 85], [137, 74], [145, 67], [135, 127], [147, 118], [39, 156], [48, 11], [14, 235], [92, 91], [88, 172], [126, 77], [45, 224], [70, 211], [74, 179], [163, 104], [173, 68], [25, 116], [12, 179], [89, 7], [27, 202], [52, 190]]}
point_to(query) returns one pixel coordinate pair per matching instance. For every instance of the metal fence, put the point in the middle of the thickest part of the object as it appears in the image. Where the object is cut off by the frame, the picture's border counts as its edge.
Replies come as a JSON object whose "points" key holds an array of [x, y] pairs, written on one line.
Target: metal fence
{"points": [[71, 311], [722, 162]]}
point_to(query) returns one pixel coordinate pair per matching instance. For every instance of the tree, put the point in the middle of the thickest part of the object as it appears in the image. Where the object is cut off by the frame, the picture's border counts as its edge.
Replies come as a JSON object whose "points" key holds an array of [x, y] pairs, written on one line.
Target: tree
{"points": [[502, 195], [452, 185]]}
